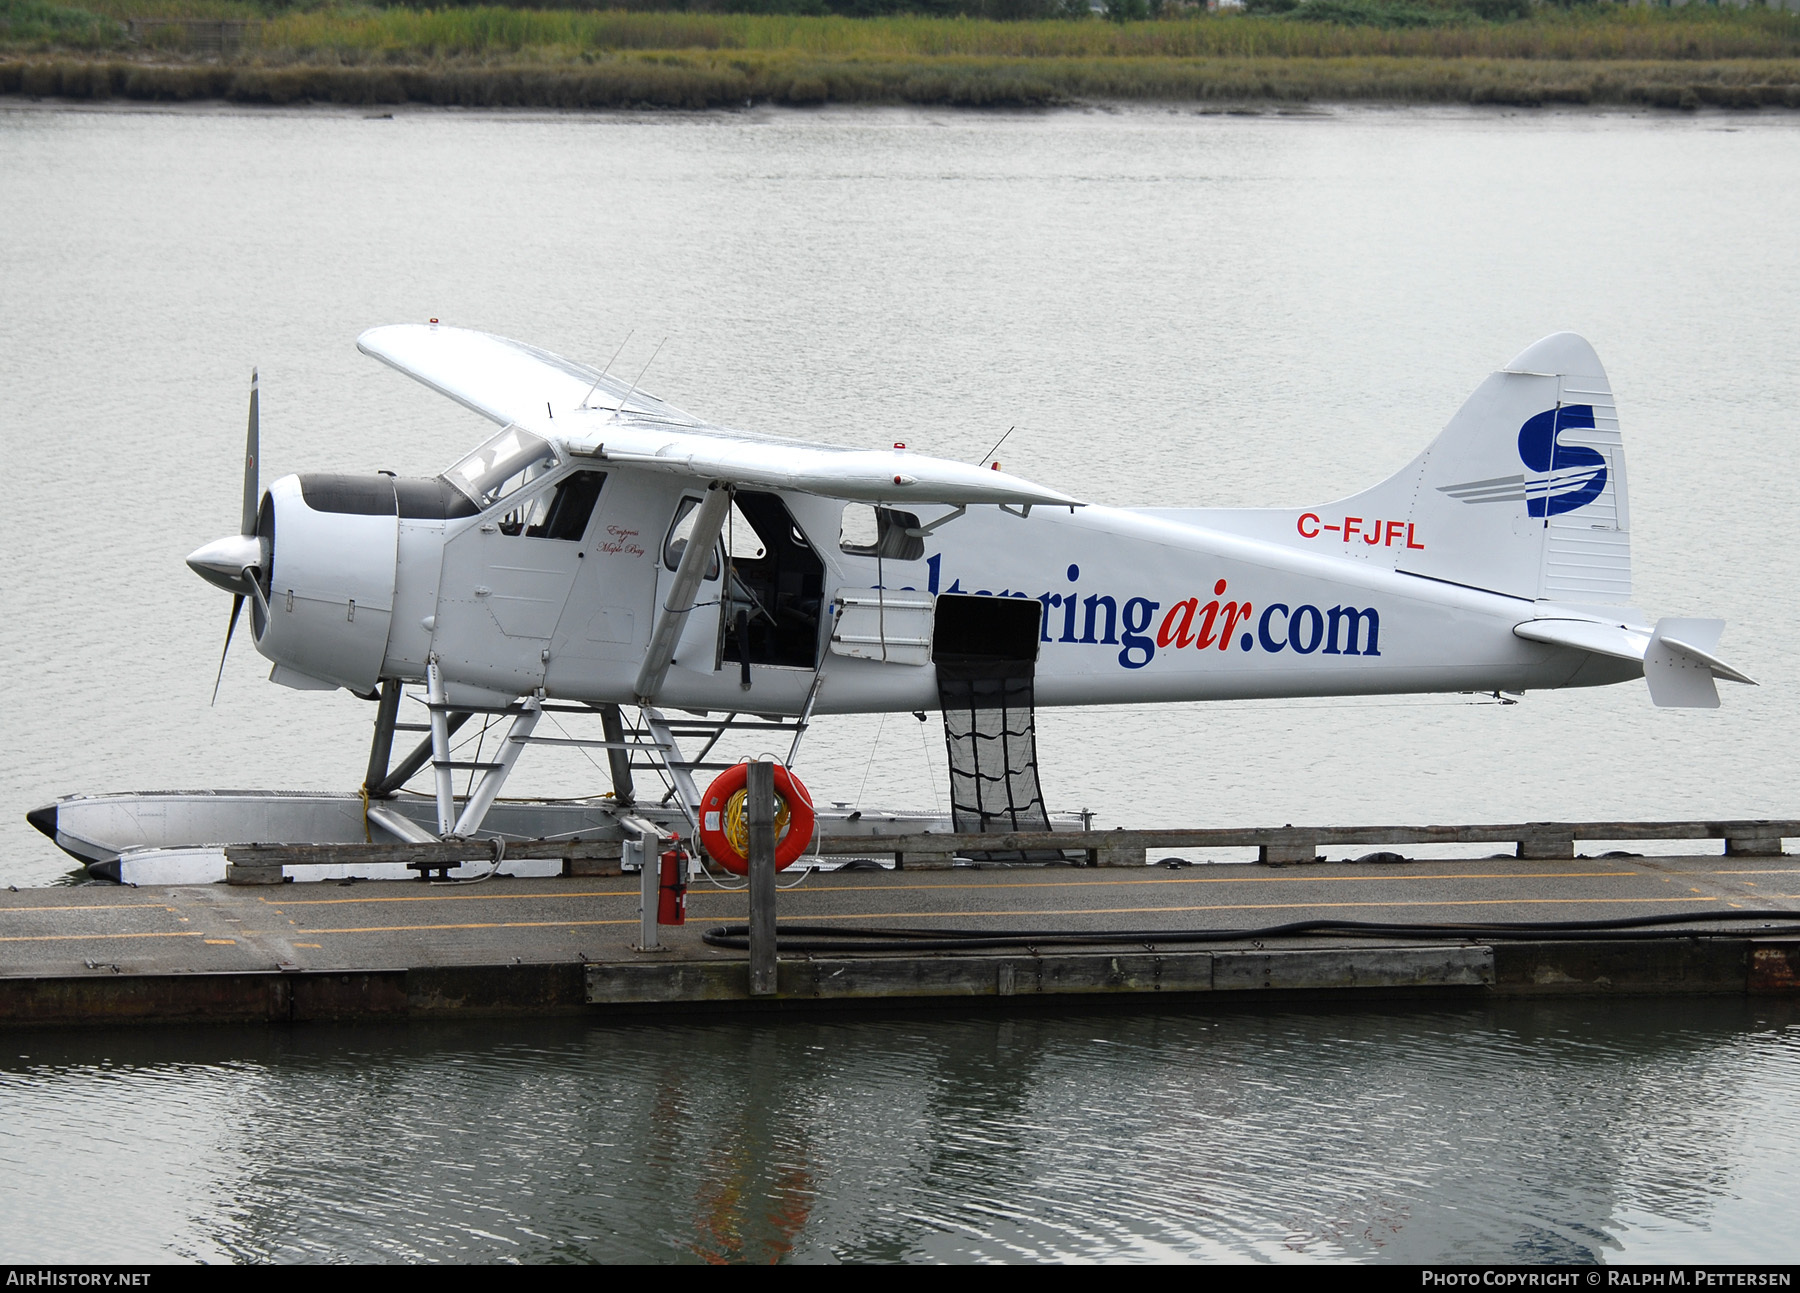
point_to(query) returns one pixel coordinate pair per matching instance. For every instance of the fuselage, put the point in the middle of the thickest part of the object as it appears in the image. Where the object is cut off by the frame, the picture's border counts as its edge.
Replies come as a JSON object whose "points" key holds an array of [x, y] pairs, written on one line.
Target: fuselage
{"points": [[556, 584]]}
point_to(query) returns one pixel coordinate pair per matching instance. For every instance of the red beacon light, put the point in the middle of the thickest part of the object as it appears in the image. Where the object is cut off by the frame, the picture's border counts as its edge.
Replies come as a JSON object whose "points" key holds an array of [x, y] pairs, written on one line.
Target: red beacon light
{"points": [[899, 444], [995, 467]]}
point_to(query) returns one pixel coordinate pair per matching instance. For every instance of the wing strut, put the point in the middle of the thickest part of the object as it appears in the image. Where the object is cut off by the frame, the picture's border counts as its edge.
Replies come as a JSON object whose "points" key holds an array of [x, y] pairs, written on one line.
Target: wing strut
{"points": [[709, 521]]}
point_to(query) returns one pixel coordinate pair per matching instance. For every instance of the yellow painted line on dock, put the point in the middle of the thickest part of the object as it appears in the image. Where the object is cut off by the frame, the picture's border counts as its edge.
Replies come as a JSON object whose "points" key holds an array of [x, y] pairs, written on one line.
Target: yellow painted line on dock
{"points": [[89, 906], [496, 924], [450, 897], [695, 891], [64, 938], [967, 915]]}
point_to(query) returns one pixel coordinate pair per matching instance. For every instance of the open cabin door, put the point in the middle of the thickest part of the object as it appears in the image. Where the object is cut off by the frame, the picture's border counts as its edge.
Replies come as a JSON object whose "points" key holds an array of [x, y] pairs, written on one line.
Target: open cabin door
{"points": [[776, 592]]}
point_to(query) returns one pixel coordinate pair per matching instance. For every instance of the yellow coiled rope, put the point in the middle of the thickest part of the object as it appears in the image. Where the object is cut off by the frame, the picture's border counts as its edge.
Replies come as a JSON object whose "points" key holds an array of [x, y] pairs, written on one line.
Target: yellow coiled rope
{"points": [[737, 822]]}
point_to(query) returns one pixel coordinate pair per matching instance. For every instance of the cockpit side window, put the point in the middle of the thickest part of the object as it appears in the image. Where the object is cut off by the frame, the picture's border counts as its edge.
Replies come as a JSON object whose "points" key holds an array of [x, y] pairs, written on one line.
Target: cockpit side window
{"points": [[559, 513]]}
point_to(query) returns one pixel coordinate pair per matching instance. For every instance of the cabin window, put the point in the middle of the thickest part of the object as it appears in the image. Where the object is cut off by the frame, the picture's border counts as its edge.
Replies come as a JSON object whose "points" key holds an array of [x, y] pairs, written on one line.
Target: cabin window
{"points": [[681, 529], [879, 532], [506, 463], [560, 513], [739, 537]]}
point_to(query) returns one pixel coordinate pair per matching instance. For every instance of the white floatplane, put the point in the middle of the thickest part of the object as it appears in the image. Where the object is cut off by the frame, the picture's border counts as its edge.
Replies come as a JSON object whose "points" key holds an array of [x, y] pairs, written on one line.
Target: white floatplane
{"points": [[608, 554]]}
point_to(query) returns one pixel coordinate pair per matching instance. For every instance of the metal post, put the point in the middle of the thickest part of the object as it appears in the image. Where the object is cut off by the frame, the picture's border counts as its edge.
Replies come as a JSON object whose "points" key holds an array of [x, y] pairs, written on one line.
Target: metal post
{"points": [[440, 748], [618, 758], [759, 814], [381, 749], [643, 850]]}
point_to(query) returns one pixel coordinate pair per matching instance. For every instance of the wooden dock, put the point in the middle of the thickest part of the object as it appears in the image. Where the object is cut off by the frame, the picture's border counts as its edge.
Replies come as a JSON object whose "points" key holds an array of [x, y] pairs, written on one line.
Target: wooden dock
{"points": [[101, 955]]}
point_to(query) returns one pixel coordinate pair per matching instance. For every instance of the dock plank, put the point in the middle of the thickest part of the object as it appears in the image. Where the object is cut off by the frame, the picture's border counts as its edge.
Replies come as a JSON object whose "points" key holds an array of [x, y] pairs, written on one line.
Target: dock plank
{"points": [[411, 949]]}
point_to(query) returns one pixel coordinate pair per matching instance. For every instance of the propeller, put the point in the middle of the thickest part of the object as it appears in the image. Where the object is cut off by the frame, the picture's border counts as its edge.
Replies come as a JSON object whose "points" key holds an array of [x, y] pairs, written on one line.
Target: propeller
{"points": [[232, 563]]}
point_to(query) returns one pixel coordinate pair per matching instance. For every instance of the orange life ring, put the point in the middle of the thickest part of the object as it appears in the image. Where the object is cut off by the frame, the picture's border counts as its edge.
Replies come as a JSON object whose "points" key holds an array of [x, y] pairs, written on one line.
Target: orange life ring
{"points": [[725, 833]]}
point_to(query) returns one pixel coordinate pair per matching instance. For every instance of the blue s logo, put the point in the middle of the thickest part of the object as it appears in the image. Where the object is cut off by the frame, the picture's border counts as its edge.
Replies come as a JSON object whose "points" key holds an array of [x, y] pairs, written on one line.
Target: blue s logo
{"points": [[1576, 473]]}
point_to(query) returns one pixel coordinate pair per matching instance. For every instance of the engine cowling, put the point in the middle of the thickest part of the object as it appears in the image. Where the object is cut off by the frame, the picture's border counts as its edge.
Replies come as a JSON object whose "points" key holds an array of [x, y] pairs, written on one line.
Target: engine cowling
{"points": [[329, 578]]}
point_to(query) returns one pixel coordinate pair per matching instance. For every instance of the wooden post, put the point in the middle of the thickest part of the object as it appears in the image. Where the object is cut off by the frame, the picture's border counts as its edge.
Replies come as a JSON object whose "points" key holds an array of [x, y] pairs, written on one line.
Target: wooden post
{"points": [[759, 815]]}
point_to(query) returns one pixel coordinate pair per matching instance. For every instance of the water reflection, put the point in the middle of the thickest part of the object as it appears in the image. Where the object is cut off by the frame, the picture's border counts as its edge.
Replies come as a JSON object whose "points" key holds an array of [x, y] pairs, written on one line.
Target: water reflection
{"points": [[1559, 1132]]}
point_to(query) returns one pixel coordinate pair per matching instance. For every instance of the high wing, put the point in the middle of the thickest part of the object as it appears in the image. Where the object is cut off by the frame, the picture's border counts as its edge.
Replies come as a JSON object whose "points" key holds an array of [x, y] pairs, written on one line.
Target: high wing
{"points": [[520, 385], [506, 380]]}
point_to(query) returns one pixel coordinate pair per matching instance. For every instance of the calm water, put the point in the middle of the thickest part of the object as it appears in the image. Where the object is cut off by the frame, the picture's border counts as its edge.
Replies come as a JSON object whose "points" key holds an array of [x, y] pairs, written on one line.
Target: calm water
{"points": [[1171, 309], [1592, 1132]]}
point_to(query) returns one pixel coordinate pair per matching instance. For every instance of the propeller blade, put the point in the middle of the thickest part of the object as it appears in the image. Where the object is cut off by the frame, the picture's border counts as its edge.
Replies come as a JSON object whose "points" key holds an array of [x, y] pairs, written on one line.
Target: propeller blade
{"points": [[237, 604], [252, 448]]}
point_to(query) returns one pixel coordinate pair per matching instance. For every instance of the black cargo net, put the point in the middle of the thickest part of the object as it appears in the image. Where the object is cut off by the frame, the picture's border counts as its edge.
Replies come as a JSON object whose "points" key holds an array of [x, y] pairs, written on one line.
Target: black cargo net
{"points": [[992, 742], [985, 649]]}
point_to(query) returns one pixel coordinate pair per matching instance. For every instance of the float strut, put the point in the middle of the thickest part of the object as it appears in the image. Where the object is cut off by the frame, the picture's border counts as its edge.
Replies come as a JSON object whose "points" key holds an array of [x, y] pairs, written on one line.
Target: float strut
{"points": [[493, 778], [413, 762], [618, 758], [440, 748], [381, 749]]}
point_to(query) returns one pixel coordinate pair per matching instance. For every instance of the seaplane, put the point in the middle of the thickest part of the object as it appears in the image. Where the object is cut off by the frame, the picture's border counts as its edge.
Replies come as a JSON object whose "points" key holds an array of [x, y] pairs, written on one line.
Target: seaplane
{"points": [[607, 555]]}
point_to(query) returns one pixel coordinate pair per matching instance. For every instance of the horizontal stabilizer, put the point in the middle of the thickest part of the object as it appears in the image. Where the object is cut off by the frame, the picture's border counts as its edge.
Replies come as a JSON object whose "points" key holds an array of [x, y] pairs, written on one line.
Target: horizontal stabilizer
{"points": [[1680, 667], [1719, 668], [1586, 635], [1679, 664]]}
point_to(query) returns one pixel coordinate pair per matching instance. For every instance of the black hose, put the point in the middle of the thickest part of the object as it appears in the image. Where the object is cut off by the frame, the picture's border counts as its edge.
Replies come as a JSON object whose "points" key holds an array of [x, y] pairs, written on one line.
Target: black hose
{"points": [[852, 938]]}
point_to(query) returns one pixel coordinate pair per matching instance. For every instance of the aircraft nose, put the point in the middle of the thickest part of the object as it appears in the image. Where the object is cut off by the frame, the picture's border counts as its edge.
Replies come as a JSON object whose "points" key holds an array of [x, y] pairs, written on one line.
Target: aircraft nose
{"points": [[221, 563]]}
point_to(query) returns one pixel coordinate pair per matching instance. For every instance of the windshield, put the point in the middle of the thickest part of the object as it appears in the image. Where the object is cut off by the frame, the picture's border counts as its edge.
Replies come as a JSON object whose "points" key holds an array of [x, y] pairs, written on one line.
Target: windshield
{"points": [[511, 459]]}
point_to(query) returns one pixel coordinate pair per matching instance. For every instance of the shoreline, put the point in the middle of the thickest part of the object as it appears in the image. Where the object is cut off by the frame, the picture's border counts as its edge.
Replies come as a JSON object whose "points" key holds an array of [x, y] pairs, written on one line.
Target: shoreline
{"points": [[699, 83]]}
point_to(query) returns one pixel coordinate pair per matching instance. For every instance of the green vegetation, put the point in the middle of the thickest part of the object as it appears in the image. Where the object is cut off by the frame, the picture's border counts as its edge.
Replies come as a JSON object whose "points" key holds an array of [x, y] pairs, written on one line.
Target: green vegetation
{"points": [[36, 22], [1503, 51]]}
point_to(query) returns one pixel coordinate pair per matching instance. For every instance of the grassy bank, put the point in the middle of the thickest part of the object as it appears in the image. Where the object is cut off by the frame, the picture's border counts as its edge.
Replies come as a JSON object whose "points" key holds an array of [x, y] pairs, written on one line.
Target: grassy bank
{"points": [[696, 82], [561, 58]]}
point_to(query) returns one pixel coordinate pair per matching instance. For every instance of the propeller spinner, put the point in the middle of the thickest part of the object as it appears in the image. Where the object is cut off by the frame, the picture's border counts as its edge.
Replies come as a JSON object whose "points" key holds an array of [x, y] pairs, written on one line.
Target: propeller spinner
{"points": [[233, 563]]}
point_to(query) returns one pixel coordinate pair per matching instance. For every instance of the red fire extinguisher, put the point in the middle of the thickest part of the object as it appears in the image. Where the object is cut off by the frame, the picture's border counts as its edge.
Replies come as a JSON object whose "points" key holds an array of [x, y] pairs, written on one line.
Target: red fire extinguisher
{"points": [[671, 900]]}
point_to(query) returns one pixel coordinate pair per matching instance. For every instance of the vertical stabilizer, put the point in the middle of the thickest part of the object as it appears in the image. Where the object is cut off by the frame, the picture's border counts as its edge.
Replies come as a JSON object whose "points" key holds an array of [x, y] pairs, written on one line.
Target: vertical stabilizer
{"points": [[1522, 493]]}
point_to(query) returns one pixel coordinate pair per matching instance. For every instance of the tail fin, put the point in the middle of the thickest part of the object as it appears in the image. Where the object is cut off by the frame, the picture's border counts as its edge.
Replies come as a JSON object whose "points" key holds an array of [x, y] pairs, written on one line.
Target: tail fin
{"points": [[1522, 493]]}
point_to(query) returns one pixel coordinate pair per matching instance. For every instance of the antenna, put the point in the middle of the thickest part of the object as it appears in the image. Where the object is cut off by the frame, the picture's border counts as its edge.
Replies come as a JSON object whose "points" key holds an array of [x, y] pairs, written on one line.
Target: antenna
{"points": [[640, 377], [998, 443], [608, 368]]}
